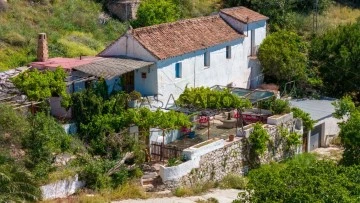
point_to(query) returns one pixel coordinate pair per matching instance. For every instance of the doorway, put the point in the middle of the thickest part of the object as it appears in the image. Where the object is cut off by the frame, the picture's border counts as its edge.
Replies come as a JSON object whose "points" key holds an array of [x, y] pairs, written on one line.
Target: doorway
{"points": [[128, 82]]}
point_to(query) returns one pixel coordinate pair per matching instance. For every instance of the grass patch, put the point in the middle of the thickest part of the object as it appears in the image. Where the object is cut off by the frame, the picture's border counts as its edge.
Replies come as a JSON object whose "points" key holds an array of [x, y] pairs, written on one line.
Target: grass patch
{"points": [[73, 28], [127, 191], [193, 190], [334, 16], [233, 181]]}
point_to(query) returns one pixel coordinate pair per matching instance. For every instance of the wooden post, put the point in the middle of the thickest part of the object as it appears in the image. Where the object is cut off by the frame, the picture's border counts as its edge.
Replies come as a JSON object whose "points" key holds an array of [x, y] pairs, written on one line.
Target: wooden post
{"points": [[208, 127], [162, 147]]}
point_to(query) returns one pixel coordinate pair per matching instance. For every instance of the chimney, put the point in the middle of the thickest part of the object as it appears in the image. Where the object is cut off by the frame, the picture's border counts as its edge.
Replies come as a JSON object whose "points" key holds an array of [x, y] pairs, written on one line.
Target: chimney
{"points": [[42, 50]]}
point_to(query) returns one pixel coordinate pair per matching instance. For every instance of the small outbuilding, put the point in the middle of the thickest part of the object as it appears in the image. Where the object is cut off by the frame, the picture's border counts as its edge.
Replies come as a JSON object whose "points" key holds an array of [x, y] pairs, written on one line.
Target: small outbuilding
{"points": [[326, 127]]}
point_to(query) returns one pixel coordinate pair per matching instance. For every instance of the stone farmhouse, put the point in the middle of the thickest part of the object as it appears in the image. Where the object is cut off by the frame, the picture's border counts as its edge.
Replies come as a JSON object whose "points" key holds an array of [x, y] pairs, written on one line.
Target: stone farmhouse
{"points": [[206, 51]]}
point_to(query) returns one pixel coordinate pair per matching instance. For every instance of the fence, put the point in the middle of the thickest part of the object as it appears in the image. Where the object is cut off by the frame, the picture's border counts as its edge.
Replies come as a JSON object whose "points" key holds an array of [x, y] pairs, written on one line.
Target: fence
{"points": [[159, 152]]}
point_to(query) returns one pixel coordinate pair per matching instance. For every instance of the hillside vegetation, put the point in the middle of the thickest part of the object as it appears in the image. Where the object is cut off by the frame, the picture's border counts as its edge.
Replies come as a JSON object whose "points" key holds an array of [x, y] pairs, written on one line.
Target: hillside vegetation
{"points": [[74, 27], [81, 27]]}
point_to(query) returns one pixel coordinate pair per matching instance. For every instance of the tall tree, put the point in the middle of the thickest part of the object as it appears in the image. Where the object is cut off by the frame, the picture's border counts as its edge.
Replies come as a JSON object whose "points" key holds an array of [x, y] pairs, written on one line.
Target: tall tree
{"points": [[336, 55], [283, 56]]}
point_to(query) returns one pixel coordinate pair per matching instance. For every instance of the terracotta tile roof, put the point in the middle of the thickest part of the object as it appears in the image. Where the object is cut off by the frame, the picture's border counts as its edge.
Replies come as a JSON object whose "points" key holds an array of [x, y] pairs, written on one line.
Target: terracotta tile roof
{"points": [[177, 38], [242, 13]]}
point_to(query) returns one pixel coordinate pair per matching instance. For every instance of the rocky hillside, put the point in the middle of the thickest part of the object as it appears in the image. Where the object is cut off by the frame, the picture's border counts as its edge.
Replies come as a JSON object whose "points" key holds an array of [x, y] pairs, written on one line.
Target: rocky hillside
{"points": [[74, 27]]}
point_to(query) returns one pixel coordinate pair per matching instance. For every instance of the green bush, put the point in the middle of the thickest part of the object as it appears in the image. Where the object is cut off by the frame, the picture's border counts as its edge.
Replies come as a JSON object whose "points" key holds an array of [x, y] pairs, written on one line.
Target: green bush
{"points": [[45, 139], [152, 12], [280, 106], [308, 123], [258, 139], [302, 179]]}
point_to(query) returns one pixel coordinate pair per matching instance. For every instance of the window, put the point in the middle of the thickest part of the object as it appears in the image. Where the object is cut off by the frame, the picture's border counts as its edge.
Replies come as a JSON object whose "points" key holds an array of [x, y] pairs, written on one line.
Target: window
{"points": [[178, 71], [228, 52], [207, 58]]}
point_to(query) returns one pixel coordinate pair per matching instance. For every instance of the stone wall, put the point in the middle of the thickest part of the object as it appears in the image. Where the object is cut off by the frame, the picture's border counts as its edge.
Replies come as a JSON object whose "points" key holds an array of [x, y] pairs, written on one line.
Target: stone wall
{"points": [[123, 9], [234, 158]]}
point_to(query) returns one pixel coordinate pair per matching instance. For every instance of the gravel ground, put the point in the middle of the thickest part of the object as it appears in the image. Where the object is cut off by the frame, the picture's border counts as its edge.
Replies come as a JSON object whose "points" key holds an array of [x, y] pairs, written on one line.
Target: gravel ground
{"points": [[223, 196]]}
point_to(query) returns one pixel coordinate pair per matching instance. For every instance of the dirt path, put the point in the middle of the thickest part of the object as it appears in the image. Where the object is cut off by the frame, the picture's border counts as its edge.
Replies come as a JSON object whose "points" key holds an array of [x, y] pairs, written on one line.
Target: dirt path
{"points": [[332, 152], [223, 196]]}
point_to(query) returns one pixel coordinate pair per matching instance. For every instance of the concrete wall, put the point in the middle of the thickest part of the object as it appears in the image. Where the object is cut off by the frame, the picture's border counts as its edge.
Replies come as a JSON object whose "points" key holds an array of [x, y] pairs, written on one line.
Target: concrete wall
{"points": [[330, 130], [57, 110], [170, 136], [62, 188]]}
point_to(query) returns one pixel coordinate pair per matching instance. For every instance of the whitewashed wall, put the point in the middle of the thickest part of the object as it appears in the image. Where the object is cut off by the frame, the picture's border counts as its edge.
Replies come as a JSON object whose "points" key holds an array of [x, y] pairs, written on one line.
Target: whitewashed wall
{"points": [[331, 129], [148, 85], [170, 136], [128, 46]]}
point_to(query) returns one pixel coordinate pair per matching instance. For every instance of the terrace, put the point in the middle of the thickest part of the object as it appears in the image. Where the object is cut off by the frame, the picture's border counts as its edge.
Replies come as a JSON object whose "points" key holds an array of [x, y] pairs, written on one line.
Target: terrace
{"points": [[212, 124]]}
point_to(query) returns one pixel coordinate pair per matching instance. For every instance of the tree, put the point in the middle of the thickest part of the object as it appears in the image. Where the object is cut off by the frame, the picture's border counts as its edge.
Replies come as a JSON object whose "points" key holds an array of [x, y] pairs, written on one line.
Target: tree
{"points": [[343, 107], [279, 11], [17, 185], [152, 12], [302, 179], [336, 55], [350, 139], [283, 56]]}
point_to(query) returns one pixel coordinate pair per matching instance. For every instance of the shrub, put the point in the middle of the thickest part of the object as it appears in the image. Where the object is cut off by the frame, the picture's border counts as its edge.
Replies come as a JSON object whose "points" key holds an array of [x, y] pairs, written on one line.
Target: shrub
{"points": [[280, 106], [17, 185], [174, 162], [94, 174], [233, 181], [152, 12], [258, 139], [302, 179], [308, 123], [13, 125], [45, 139]]}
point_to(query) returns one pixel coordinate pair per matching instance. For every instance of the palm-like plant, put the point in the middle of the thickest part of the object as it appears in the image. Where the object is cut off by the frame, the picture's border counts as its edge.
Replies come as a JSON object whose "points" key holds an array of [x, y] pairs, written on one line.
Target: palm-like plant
{"points": [[17, 185]]}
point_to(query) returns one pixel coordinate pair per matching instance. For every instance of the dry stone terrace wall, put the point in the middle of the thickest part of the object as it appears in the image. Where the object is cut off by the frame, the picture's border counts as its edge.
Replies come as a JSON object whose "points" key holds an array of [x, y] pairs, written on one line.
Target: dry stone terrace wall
{"points": [[233, 158]]}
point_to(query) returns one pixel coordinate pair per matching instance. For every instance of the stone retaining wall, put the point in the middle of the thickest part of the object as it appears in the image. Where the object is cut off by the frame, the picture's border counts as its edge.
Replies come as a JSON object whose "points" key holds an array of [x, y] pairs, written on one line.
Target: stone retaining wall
{"points": [[233, 158]]}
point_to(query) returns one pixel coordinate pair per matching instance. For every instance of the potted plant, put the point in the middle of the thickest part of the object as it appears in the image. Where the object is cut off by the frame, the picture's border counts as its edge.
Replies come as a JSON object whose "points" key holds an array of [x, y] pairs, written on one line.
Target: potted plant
{"points": [[134, 99]]}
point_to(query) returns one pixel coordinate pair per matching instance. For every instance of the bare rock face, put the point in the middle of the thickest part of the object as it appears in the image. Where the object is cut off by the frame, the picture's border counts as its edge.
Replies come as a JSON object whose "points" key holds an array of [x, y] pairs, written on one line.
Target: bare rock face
{"points": [[123, 9], [3, 5]]}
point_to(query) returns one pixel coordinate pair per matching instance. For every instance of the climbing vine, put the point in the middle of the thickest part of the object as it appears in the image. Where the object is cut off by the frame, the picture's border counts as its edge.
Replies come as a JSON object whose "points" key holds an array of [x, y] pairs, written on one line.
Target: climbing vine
{"points": [[41, 85], [292, 139], [308, 123], [258, 139]]}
